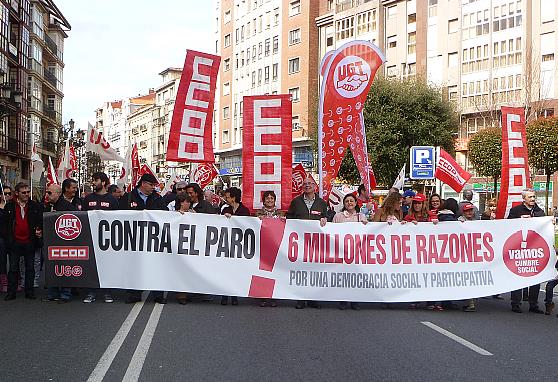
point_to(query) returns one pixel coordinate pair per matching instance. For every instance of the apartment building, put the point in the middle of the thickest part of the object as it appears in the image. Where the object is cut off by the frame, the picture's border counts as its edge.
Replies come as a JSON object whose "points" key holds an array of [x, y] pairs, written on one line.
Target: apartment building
{"points": [[32, 34], [481, 54], [266, 47]]}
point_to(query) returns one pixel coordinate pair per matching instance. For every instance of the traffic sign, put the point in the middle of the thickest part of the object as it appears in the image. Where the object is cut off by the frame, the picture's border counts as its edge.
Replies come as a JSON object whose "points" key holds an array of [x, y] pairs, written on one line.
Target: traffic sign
{"points": [[423, 160]]}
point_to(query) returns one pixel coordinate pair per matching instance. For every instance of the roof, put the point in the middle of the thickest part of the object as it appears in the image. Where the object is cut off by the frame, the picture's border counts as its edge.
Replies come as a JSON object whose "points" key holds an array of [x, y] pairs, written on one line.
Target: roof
{"points": [[116, 104], [146, 99], [55, 12], [170, 70]]}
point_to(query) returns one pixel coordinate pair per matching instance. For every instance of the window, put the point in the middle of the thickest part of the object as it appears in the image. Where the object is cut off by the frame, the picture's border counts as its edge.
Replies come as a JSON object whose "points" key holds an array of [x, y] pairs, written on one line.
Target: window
{"points": [[226, 112], [253, 79], [267, 46], [294, 65], [294, 8], [392, 11], [294, 36], [275, 44], [392, 41], [452, 60], [411, 42], [227, 17], [226, 88], [548, 57], [452, 93], [345, 28], [227, 64], [227, 40], [274, 71], [295, 94], [392, 71], [259, 77], [276, 16], [453, 26], [296, 122], [260, 50], [225, 136], [266, 74], [412, 18], [366, 22]]}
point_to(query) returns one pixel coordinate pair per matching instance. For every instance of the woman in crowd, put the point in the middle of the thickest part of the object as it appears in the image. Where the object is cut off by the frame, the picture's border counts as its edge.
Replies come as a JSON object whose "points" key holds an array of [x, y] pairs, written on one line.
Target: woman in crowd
{"points": [[434, 205], [235, 208], [418, 211], [449, 210], [490, 212], [183, 204], [390, 211], [269, 211], [349, 213]]}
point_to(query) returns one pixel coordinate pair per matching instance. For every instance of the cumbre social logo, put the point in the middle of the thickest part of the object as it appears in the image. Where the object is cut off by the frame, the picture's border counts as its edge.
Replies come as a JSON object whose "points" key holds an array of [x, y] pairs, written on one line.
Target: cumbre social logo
{"points": [[351, 76], [526, 253], [67, 226]]}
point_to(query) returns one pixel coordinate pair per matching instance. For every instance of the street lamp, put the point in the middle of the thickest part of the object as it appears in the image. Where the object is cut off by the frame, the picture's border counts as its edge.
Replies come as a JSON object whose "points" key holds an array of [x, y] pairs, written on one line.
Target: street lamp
{"points": [[78, 142]]}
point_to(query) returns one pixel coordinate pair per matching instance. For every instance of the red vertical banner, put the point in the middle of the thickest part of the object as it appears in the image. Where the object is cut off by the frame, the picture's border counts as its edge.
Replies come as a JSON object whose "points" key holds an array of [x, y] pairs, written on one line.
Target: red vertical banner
{"points": [[515, 163], [267, 149], [348, 73], [191, 136]]}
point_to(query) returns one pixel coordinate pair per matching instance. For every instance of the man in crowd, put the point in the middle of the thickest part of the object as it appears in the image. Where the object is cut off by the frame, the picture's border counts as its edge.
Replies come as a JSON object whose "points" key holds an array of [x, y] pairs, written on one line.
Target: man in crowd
{"points": [[24, 219], [199, 204], [178, 189], [308, 206], [468, 213], [527, 209], [467, 199], [55, 202], [115, 191], [408, 196], [144, 197], [69, 192], [100, 199], [6, 197]]}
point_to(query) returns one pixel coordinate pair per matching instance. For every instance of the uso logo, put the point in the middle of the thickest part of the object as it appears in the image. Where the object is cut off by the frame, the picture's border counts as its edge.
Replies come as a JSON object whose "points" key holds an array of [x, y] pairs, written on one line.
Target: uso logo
{"points": [[526, 253], [67, 226]]}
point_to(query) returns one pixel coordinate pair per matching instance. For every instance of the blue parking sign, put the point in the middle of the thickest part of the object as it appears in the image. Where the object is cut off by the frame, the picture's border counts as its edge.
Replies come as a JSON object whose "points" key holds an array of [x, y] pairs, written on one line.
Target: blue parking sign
{"points": [[423, 162]]}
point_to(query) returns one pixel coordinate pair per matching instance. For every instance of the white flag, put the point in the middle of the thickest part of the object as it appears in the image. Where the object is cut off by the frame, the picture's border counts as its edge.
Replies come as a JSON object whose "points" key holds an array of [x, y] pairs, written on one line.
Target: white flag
{"points": [[97, 144], [400, 181], [65, 168], [126, 168], [37, 165], [171, 182]]}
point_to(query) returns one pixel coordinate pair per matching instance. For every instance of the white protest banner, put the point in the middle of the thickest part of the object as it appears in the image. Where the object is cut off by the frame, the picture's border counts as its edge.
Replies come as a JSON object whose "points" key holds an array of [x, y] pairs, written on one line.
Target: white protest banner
{"points": [[244, 256]]}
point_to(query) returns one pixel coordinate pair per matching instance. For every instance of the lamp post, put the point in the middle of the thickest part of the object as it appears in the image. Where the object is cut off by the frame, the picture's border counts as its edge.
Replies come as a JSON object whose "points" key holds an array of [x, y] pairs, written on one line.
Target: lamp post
{"points": [[78, 142]]}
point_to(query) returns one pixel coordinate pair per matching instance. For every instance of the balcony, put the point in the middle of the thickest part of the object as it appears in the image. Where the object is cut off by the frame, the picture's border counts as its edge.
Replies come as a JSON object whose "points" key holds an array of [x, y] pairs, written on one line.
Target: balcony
{"points": [[50, 77], [49, 111], [51, 45], [49, 146], [12, 146]]}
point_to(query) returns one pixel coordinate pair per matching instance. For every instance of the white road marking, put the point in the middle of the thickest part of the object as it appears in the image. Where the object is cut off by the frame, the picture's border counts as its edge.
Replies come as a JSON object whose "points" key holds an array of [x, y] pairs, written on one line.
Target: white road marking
{"points": [[456, 338], [138, 359], [108, 356]]}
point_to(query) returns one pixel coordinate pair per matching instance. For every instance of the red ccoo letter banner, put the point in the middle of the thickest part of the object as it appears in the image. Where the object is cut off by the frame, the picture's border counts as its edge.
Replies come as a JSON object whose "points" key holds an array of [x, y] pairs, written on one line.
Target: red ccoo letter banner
{"points": [[515, 164], [191, 137], [450, 172], [267, 149]]}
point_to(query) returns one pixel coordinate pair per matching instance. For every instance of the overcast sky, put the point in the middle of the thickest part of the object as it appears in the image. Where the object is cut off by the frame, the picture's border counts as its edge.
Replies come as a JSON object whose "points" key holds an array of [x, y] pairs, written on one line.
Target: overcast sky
{"points": [[116, 48]]}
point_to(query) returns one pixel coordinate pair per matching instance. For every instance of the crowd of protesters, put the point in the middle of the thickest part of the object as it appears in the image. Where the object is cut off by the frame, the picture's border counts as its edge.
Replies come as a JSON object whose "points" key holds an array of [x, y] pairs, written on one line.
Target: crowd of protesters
{"points": [[21, 223]]}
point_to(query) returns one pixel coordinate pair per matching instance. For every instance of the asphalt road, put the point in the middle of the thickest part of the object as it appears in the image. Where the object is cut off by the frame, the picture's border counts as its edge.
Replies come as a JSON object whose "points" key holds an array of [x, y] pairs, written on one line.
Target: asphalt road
{"points": [[204, 341]]}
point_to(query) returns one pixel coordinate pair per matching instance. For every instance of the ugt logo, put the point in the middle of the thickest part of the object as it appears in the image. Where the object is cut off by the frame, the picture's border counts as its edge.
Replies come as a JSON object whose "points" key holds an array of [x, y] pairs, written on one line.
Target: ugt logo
{"points": [[67, 226], [351, 76]]}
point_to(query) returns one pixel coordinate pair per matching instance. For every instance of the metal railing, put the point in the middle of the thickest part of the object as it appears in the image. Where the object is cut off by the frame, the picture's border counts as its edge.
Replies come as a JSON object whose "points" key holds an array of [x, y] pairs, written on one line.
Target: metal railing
{"points": [[51, 44], [50, 77], [49, 111]]}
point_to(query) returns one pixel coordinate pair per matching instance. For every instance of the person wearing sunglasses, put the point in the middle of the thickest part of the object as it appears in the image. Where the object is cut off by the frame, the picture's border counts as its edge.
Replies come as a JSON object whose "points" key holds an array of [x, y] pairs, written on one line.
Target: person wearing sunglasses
{"points": [[24, 219], [178, 189]]}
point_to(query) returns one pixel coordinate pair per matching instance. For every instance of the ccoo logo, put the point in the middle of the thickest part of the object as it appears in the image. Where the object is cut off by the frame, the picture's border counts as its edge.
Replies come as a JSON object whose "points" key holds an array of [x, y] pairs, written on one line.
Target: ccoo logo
{"points": [[67, 226], [351, 76], [526, 254]]}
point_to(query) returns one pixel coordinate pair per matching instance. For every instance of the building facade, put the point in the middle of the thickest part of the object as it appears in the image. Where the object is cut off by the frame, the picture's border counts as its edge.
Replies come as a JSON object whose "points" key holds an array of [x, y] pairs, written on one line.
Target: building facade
{"points": [[32, 34], [481, 54], [266, 47]]}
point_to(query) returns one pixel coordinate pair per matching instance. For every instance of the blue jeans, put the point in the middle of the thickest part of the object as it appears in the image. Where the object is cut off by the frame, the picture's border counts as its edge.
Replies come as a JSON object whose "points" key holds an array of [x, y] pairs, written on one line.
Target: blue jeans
{"points": [[550, 291], [62, 293]]}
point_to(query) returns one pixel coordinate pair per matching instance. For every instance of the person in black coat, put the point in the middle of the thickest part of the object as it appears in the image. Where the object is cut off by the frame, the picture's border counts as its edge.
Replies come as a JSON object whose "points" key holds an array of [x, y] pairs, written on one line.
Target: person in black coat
{"points": [[70, 193], [24, 232], [199, 204], [528, 209], [144, 197], [235, 207], [308, 206]]}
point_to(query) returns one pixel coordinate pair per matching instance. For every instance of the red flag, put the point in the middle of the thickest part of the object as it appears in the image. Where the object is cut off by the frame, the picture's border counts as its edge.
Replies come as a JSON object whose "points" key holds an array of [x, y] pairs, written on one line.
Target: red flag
{"points": [[51, 174], [146, 169], [450, 172], [299, 175], [348, 73], [267, 149], [515, 163], [203, 174], [191, 136]]}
